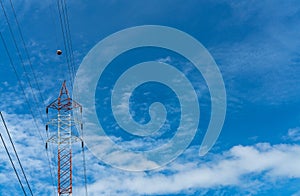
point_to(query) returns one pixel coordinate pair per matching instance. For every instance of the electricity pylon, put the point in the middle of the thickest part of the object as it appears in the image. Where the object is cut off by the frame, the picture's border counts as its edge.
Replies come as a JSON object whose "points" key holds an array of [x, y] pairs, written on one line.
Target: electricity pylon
{"points": [[65, 123]]}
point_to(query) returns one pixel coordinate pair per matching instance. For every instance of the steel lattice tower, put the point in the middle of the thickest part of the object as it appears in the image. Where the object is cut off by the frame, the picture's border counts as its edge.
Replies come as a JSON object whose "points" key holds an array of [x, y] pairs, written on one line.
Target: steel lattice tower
{"points": [[65, 123]]}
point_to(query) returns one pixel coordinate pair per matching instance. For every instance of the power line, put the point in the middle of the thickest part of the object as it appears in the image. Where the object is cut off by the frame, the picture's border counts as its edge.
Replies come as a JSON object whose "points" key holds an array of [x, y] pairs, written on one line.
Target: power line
{"points": [[69, 37], [65, 27], [70, 47], [20, 83], [23, 92], [69, 43], [84, 168], [51, 172], [23, 65], [65, 37], [12, 143], [13, 165], [69, 51], [26, 51], [34, 76], [20, 57]]}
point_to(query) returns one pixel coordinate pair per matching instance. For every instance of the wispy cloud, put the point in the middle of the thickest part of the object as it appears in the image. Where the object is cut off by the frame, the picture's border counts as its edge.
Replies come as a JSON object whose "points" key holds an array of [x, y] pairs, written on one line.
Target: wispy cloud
{"points": [[293, 134], [263, 59], [31, 151]]}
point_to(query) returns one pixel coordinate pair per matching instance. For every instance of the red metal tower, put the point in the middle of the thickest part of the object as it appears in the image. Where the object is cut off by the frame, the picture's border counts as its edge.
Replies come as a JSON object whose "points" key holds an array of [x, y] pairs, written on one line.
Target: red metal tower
{"points": [[65, 123]]}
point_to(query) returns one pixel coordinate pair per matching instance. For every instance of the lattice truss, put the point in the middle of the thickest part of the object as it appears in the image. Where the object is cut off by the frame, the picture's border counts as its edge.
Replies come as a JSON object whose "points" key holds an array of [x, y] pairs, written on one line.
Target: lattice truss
{"points": [[66, 134]]}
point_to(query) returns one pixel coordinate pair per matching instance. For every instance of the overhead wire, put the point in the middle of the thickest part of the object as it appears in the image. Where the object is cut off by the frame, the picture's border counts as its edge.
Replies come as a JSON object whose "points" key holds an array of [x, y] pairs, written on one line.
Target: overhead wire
{"points": [[84, 170], [65, 28], [24, 69], [70, 44], [21, 59], [74, 89], [12, 163], [65, 37], [34, 76], [20, 83], [15, 151], [27, 53], [84, 163], [23, 92], [69, 54]]}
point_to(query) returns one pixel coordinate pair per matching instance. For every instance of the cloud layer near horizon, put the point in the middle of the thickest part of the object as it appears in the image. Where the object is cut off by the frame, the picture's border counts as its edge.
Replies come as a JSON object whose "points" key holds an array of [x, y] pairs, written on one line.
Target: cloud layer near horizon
{"points": [[248, 168]]}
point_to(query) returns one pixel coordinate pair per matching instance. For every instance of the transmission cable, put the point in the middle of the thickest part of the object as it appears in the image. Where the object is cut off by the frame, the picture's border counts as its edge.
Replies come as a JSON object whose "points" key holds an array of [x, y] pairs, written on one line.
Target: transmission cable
{"points": [[12, 143], [27, 53], [64, 13], [84, 162], [65, 28], [72, 73], [23, 92], [20, 83], [21, 59], [69, 37], [23, 65], [33, 72], [13, 165], [62, 24]]}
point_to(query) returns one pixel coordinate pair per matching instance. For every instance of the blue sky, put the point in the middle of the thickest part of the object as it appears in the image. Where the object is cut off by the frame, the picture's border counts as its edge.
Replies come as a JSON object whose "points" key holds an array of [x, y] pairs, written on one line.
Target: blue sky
{"points": [[256, 47]]}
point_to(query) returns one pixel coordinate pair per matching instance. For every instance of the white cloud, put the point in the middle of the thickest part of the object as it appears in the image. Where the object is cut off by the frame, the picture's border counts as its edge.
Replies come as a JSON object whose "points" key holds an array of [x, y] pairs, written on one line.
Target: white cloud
{"points": [[268, 44], [246, 167], [293, 134], [31, 152]]}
